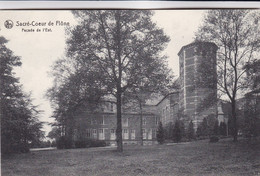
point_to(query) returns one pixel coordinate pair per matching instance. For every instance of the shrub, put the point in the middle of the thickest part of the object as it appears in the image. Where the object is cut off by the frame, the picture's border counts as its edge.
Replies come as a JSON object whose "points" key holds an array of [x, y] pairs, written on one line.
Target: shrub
{"points": [[14, 147], [160, 134], [216, 128], [85, 143], [64, 142], [168, 130], [213, 139], [223, 129], [177, 132], [97, 143], [191, 132]]}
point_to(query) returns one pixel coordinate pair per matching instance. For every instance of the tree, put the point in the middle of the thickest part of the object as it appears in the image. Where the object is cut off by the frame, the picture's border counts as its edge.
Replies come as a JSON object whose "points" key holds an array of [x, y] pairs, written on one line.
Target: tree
{"points": [[203, 129], [123, 46], [190, 131], [55, 133], [235, 32], [251, 115], [160, 133], [146, 88], [216, 128], [252, 98], [178, 131], [76, 86], [19, 117], [223, 129], [168, 130]]}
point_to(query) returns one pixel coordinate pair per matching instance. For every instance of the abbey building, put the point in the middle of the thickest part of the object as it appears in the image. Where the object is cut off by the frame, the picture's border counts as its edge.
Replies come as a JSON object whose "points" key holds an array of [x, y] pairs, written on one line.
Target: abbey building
{"points": [[195, 100]]}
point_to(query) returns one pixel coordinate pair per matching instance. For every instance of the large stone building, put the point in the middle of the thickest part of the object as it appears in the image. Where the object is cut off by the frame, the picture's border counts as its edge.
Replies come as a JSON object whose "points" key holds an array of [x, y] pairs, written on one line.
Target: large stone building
{"points": [[197, 83]]}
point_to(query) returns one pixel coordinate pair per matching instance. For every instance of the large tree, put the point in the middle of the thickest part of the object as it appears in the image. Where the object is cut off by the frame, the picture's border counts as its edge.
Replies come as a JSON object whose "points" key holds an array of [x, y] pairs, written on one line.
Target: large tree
{"points": [[120, 45], [156, 82], [236, 33], [19, 117]]}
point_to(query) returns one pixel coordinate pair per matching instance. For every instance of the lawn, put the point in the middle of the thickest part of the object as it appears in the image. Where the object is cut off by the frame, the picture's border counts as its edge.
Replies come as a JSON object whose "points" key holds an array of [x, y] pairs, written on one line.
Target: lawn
{"points": [[195, 158]]}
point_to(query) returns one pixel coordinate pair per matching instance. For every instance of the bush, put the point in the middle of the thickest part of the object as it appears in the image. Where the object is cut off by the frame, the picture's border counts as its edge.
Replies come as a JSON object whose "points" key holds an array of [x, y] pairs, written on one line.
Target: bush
{"points": [[213, 139], [178, 131], [191, 132], [89, 143], [64, 142], [97, 143], [14, 147], [168, 130], [223, 129], [160, 134]]}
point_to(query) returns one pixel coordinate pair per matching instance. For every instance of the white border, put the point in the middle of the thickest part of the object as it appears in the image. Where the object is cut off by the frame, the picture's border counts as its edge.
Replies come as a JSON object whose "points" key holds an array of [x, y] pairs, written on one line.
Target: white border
{"points": [[126, 4]]}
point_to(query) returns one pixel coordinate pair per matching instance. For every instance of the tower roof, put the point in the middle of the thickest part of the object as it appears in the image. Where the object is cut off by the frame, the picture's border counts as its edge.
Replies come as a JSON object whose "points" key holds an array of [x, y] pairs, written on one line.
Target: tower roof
{"points": [[197, 43]]}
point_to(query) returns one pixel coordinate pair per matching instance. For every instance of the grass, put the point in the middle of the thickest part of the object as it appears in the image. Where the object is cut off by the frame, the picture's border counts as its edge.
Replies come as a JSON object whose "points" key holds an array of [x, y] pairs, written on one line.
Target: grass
{"points": [[196, 158]]}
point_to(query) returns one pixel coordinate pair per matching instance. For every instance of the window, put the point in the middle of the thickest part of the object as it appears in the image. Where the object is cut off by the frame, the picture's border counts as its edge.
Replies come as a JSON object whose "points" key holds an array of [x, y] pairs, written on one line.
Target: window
{"points": [[102, 107], [125, 122], [163, 112], [144, 133], [125, 134], [112, 107], [144, 121], [112, 134], [93, 121], [156, 121], [132, 134], [150, 134], [94, 133], [102, 121], [88, 133], [101, 135]]}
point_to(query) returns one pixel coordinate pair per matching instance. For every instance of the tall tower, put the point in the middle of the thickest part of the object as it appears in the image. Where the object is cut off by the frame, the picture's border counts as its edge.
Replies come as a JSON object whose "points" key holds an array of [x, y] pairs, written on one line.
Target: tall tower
{"points": [[198, 84]]}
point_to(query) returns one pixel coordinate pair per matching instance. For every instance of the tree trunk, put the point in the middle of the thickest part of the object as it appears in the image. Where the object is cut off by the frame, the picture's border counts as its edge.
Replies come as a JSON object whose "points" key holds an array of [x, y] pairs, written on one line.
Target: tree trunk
{"points": [[119, 123], [141, 123], [234, 117]]}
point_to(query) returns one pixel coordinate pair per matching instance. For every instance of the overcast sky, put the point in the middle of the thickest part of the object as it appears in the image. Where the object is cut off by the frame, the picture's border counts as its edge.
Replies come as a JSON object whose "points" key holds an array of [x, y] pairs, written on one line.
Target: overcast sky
{"points": [[39, 50]]}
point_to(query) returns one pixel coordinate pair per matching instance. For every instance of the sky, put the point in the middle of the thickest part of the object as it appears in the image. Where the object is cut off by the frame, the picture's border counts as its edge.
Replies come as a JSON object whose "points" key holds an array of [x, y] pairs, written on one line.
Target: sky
{"points": [[40, 49]]}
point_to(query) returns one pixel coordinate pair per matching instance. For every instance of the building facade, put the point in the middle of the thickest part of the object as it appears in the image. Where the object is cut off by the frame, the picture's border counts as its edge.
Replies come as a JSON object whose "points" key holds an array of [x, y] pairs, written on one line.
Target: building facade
{"points": [[197, 83], [101, 125]]}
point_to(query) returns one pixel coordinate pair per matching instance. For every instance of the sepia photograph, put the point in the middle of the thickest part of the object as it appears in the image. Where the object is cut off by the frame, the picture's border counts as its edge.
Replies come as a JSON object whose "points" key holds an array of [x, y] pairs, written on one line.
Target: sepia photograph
{"points": [[163, 92]]}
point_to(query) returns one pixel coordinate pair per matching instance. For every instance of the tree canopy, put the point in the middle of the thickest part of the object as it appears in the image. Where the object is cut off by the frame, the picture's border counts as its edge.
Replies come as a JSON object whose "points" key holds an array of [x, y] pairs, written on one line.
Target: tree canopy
{"points": [[235, 32], [114, 50], [19, 117]]}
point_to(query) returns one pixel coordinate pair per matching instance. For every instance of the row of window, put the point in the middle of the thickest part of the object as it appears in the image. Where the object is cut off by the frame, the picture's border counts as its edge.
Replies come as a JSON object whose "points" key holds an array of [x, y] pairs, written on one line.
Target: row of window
{"points": [[125, 121], [92, 133]]}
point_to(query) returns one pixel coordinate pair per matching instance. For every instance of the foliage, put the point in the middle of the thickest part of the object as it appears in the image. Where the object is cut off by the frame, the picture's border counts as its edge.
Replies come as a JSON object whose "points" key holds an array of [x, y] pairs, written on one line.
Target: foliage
{"points": [[64, 142], [208, 127], [215, 128], [178, 131], [41, 144], [89, 143], [55, 133], [19, 117], [253, 74], [160, 133], [235, 32], [111, 51], [203, 129], [223, 129], [251, 115], [168, 131], [213, 139], [190, 131]]}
